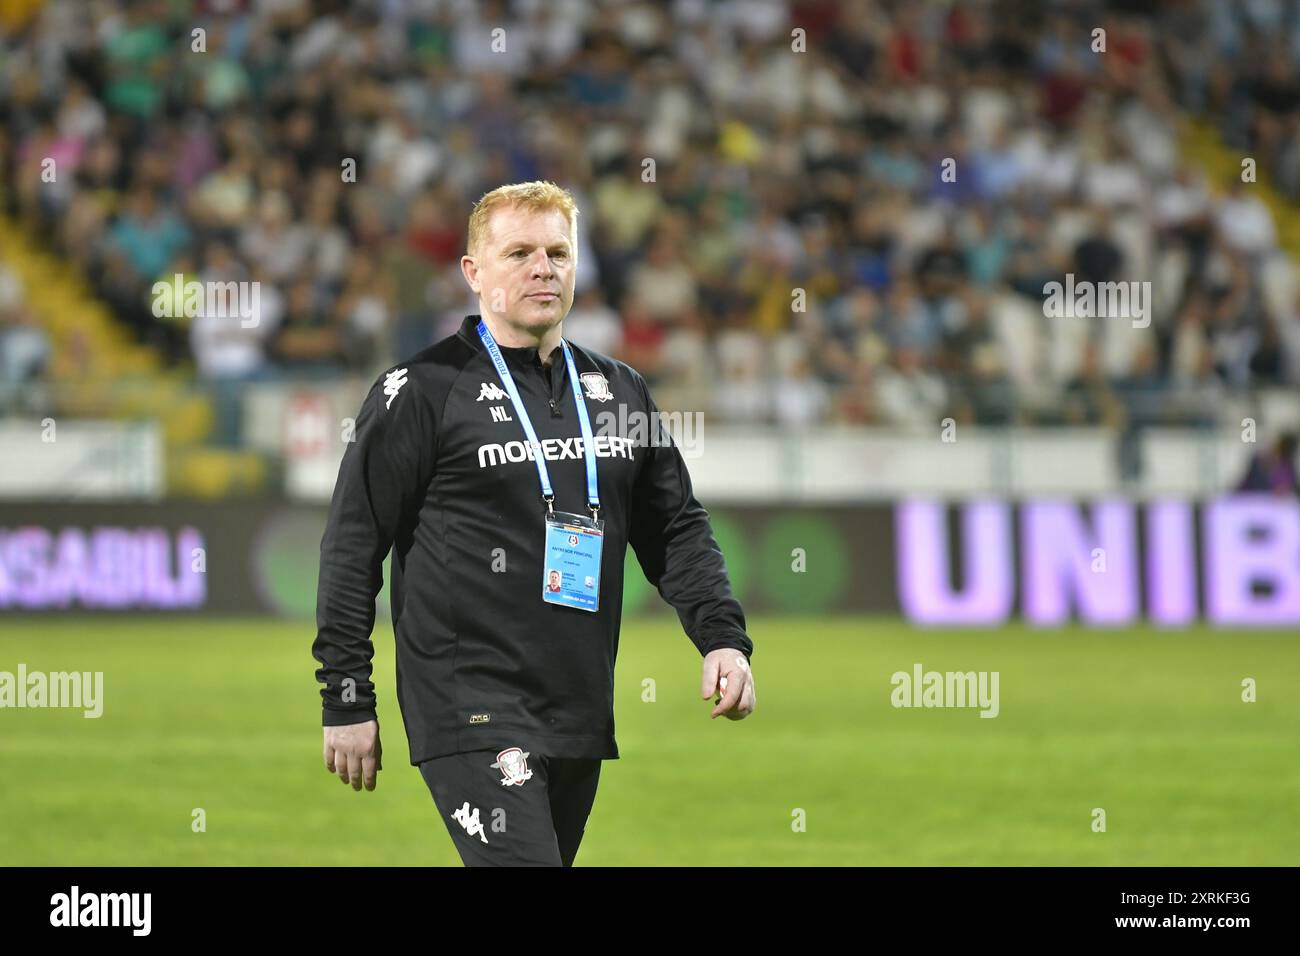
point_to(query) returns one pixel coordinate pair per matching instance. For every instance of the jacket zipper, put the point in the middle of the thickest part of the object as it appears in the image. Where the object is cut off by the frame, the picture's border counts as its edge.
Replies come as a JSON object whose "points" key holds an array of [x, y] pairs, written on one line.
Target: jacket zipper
{"points": [[556, 411]]}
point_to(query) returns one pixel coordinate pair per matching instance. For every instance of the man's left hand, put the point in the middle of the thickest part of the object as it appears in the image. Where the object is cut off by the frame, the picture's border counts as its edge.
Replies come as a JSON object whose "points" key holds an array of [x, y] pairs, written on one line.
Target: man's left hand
{"points": [[726, 671]]}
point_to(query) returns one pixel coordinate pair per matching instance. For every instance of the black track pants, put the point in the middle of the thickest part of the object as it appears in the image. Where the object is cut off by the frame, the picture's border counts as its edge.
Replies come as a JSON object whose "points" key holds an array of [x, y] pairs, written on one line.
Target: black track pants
{"points": [[527, 810]]}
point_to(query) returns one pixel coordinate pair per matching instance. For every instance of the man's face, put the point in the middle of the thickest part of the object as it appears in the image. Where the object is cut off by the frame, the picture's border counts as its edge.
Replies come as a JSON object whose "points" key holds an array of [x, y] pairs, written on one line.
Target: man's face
{"points": [[525, 270]]}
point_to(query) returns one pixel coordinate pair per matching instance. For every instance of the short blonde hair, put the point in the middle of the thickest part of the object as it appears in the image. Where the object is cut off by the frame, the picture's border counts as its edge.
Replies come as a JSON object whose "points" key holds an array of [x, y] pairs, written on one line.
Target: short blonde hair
{"points": [[536, 196]]}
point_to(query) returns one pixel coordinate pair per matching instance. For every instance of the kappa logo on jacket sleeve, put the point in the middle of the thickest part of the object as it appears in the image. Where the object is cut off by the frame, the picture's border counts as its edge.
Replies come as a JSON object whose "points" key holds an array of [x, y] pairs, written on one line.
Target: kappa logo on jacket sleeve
{"points": [[393, 383]]}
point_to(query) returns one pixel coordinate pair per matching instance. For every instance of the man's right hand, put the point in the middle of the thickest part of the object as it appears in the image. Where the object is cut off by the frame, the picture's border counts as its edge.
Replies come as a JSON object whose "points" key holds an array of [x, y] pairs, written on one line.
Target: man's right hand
{"points": [[354, 753]]}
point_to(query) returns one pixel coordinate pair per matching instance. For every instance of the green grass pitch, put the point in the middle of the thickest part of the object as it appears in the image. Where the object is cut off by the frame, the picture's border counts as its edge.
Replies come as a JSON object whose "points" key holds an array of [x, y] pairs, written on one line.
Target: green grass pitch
{"points": [[1149, 725]]}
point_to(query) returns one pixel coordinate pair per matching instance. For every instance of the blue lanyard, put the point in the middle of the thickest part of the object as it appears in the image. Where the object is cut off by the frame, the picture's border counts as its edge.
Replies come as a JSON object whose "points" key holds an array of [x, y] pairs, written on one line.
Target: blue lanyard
{"points": [[588, 445]]}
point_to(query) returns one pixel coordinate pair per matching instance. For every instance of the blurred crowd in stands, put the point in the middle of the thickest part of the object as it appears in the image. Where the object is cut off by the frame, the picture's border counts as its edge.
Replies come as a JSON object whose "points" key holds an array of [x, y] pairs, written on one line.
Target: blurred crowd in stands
{"points": [[858, 233]]}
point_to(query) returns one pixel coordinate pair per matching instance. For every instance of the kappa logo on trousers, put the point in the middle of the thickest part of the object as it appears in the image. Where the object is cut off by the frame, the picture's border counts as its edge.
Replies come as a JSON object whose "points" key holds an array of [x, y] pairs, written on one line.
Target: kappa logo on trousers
{"points": [[470, 821]]}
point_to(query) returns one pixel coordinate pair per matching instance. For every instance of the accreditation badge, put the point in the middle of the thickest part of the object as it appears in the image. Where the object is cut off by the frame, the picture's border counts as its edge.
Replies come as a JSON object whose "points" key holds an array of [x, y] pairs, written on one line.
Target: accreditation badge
{"points": [[571, 569]]}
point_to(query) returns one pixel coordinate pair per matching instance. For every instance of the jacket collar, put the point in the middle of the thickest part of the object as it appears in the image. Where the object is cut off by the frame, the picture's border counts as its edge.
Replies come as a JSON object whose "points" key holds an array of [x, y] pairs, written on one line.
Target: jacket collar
{"points": [[519, 357]]}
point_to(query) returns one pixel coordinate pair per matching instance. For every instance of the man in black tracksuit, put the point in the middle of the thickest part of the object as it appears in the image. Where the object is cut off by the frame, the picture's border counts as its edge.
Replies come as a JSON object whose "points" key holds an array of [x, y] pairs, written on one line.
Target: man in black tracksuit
{"points": [[507, 697]]}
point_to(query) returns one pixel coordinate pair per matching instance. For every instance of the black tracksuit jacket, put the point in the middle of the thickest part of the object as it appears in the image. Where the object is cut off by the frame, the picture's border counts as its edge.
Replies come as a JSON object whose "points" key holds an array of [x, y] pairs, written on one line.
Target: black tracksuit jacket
{"points": [[451, 487]]}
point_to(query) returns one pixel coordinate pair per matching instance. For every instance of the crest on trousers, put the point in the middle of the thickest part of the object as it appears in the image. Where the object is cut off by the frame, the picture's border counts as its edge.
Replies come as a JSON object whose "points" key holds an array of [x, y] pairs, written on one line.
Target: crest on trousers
{"points": [[597, 386], [513, 764]]}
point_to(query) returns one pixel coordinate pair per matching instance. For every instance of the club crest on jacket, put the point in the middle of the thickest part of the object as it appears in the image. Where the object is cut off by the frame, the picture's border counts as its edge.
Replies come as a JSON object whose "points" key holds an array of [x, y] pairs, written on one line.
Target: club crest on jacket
{"points": [[597, 386]]}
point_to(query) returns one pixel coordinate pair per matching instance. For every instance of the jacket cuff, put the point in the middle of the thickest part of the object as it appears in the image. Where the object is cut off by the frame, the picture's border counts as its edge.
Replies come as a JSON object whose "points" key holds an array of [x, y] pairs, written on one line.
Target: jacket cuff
{"points": [[736, 640], [341, 718]]}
